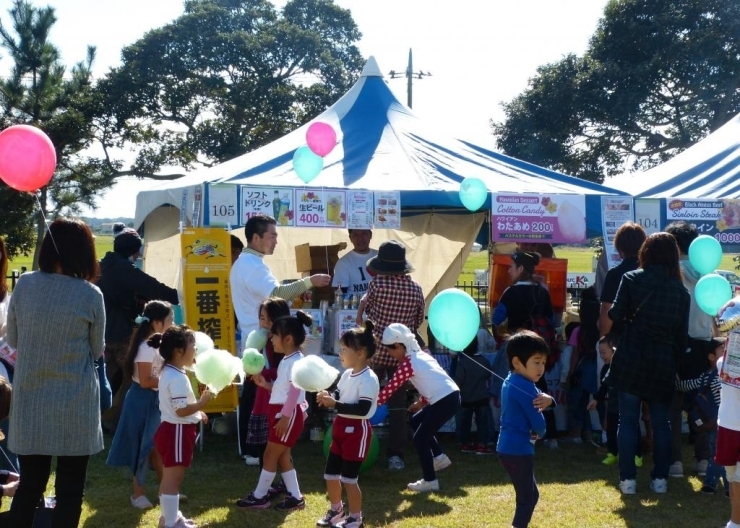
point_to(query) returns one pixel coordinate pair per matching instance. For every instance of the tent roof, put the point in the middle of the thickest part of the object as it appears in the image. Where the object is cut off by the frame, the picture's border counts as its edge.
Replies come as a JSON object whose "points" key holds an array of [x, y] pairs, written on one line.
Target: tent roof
{"points": [[708, 169], [381, 145]]}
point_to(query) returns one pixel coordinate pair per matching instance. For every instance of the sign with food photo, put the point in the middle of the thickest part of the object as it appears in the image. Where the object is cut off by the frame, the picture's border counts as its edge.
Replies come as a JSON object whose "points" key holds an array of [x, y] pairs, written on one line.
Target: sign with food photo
{"points": [[718, 218], [388, 209], [549, 218]]}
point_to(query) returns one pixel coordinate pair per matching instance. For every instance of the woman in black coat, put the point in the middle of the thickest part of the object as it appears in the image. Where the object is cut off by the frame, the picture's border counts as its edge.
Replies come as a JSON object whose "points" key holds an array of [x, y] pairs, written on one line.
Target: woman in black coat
{"points": [[653, 304]]}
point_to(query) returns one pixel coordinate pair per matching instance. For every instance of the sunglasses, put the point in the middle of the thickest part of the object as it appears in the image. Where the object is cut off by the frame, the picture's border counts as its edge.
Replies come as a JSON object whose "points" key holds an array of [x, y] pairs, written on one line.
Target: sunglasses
{"points": [[392, 346]]}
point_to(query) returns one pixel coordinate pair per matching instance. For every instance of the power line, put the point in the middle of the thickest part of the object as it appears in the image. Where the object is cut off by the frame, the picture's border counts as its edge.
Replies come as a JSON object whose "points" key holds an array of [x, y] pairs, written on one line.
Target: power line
{"points": [[410, 74]]}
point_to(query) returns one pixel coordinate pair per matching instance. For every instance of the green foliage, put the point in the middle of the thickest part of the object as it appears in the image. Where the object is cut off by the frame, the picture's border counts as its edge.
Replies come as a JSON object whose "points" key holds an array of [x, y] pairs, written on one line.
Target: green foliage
{"points": [[226, 77], [657, 77], [40, 92]]}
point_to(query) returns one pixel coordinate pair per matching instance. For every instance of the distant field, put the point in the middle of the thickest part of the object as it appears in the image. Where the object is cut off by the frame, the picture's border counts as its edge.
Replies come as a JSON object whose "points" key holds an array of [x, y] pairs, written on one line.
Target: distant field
{"points": [[103, 244], [579, 260]]}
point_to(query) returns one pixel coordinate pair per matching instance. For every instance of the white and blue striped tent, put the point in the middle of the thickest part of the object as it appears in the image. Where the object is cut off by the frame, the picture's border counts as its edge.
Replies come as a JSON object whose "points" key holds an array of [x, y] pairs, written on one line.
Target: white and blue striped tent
{"points": [[382, 145], [709, 169]]}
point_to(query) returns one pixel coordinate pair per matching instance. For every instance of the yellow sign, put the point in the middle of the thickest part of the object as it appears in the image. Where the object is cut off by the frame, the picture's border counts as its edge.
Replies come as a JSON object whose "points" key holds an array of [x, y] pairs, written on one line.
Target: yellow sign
{"points": [[206, 254]]}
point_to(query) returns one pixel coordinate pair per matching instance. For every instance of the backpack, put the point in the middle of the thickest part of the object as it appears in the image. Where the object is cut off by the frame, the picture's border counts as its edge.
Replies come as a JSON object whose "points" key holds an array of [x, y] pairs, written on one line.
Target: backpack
{"points": [[700, 407], [543, 327]]}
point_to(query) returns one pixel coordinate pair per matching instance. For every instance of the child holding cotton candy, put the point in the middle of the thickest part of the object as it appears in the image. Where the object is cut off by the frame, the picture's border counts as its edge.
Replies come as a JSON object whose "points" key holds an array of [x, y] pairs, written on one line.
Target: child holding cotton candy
{"points": [[181, 412], [355, 402], [270, 310], [133, 443], [285, 415]]}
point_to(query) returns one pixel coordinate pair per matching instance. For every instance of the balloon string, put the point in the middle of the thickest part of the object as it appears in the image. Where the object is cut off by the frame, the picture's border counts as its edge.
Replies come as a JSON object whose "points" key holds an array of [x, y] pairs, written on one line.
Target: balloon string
{"points": [[492, 372], [46, 223]]}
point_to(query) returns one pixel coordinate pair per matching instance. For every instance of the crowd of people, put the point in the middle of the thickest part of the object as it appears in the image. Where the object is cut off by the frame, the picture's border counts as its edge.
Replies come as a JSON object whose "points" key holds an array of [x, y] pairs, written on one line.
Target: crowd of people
{"points": [[98, 348]]}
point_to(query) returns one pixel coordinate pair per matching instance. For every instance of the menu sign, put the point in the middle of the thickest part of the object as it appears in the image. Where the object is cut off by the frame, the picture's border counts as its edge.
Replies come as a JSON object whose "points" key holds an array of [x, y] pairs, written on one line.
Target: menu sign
{"points": [[320, 208], [359, 209], [550, 218], [344, 320], [277, 203], [388, 209], [718, 218], [616, 211]]}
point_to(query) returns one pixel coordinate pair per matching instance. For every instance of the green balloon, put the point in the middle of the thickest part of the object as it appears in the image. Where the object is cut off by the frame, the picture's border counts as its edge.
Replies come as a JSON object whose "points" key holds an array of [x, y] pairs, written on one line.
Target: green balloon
{"points": [[372, 453]]}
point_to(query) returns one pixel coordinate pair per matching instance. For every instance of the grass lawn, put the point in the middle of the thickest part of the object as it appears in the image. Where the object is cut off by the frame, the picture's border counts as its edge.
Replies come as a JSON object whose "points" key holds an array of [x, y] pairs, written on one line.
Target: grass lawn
{"points": [[576, 490]]}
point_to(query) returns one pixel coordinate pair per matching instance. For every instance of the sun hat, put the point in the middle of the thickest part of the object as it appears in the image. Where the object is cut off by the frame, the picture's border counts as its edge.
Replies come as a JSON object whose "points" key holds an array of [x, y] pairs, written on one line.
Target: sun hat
{"points": [[390, 260]]}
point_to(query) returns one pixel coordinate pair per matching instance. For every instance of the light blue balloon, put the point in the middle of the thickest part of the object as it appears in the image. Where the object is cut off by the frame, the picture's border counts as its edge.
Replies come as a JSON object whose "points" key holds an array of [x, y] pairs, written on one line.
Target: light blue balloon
{"points": [[705, 254], [306, 164], [381, 413], [712, 292], [454, 318], [473, 193]]}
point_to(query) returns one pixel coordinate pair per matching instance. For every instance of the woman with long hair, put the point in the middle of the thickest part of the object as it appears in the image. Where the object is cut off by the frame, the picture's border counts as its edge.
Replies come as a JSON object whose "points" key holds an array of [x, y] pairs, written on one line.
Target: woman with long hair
{"points": [[653, 305], [56, 321]]}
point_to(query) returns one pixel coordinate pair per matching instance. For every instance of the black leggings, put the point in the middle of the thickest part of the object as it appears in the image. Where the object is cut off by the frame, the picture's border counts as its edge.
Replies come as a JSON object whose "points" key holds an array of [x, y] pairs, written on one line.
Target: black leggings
{"points": [[69, 488]]}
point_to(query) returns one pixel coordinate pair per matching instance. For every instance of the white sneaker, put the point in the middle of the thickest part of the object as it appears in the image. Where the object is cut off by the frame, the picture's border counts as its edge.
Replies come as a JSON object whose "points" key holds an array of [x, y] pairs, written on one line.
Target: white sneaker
{"points": [[676, 470], [659, 485], [441, 462], [252, 461], [141, 502], [552, 443], [181, 522], [423, 486], [701, 467], [628, 486]]}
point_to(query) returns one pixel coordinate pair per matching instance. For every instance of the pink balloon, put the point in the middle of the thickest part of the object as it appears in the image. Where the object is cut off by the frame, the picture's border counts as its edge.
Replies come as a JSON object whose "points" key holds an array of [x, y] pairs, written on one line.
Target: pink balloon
{"points": [[27, 157], [321, 138]]}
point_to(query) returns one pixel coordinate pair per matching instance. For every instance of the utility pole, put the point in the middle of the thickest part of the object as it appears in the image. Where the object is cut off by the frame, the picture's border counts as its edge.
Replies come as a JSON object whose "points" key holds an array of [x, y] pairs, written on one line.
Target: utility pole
{"points": [[410, 74]]}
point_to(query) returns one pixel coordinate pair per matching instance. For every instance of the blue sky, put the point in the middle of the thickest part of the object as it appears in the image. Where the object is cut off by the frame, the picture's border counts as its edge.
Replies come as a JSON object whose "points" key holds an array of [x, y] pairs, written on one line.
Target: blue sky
{"points": [[479, 53]]}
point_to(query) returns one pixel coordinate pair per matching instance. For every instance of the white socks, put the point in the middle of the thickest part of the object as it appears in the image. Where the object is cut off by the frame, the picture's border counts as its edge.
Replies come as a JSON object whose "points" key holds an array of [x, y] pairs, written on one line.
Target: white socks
{"points": [[170, 505], [291, 482], [264, 483]]}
